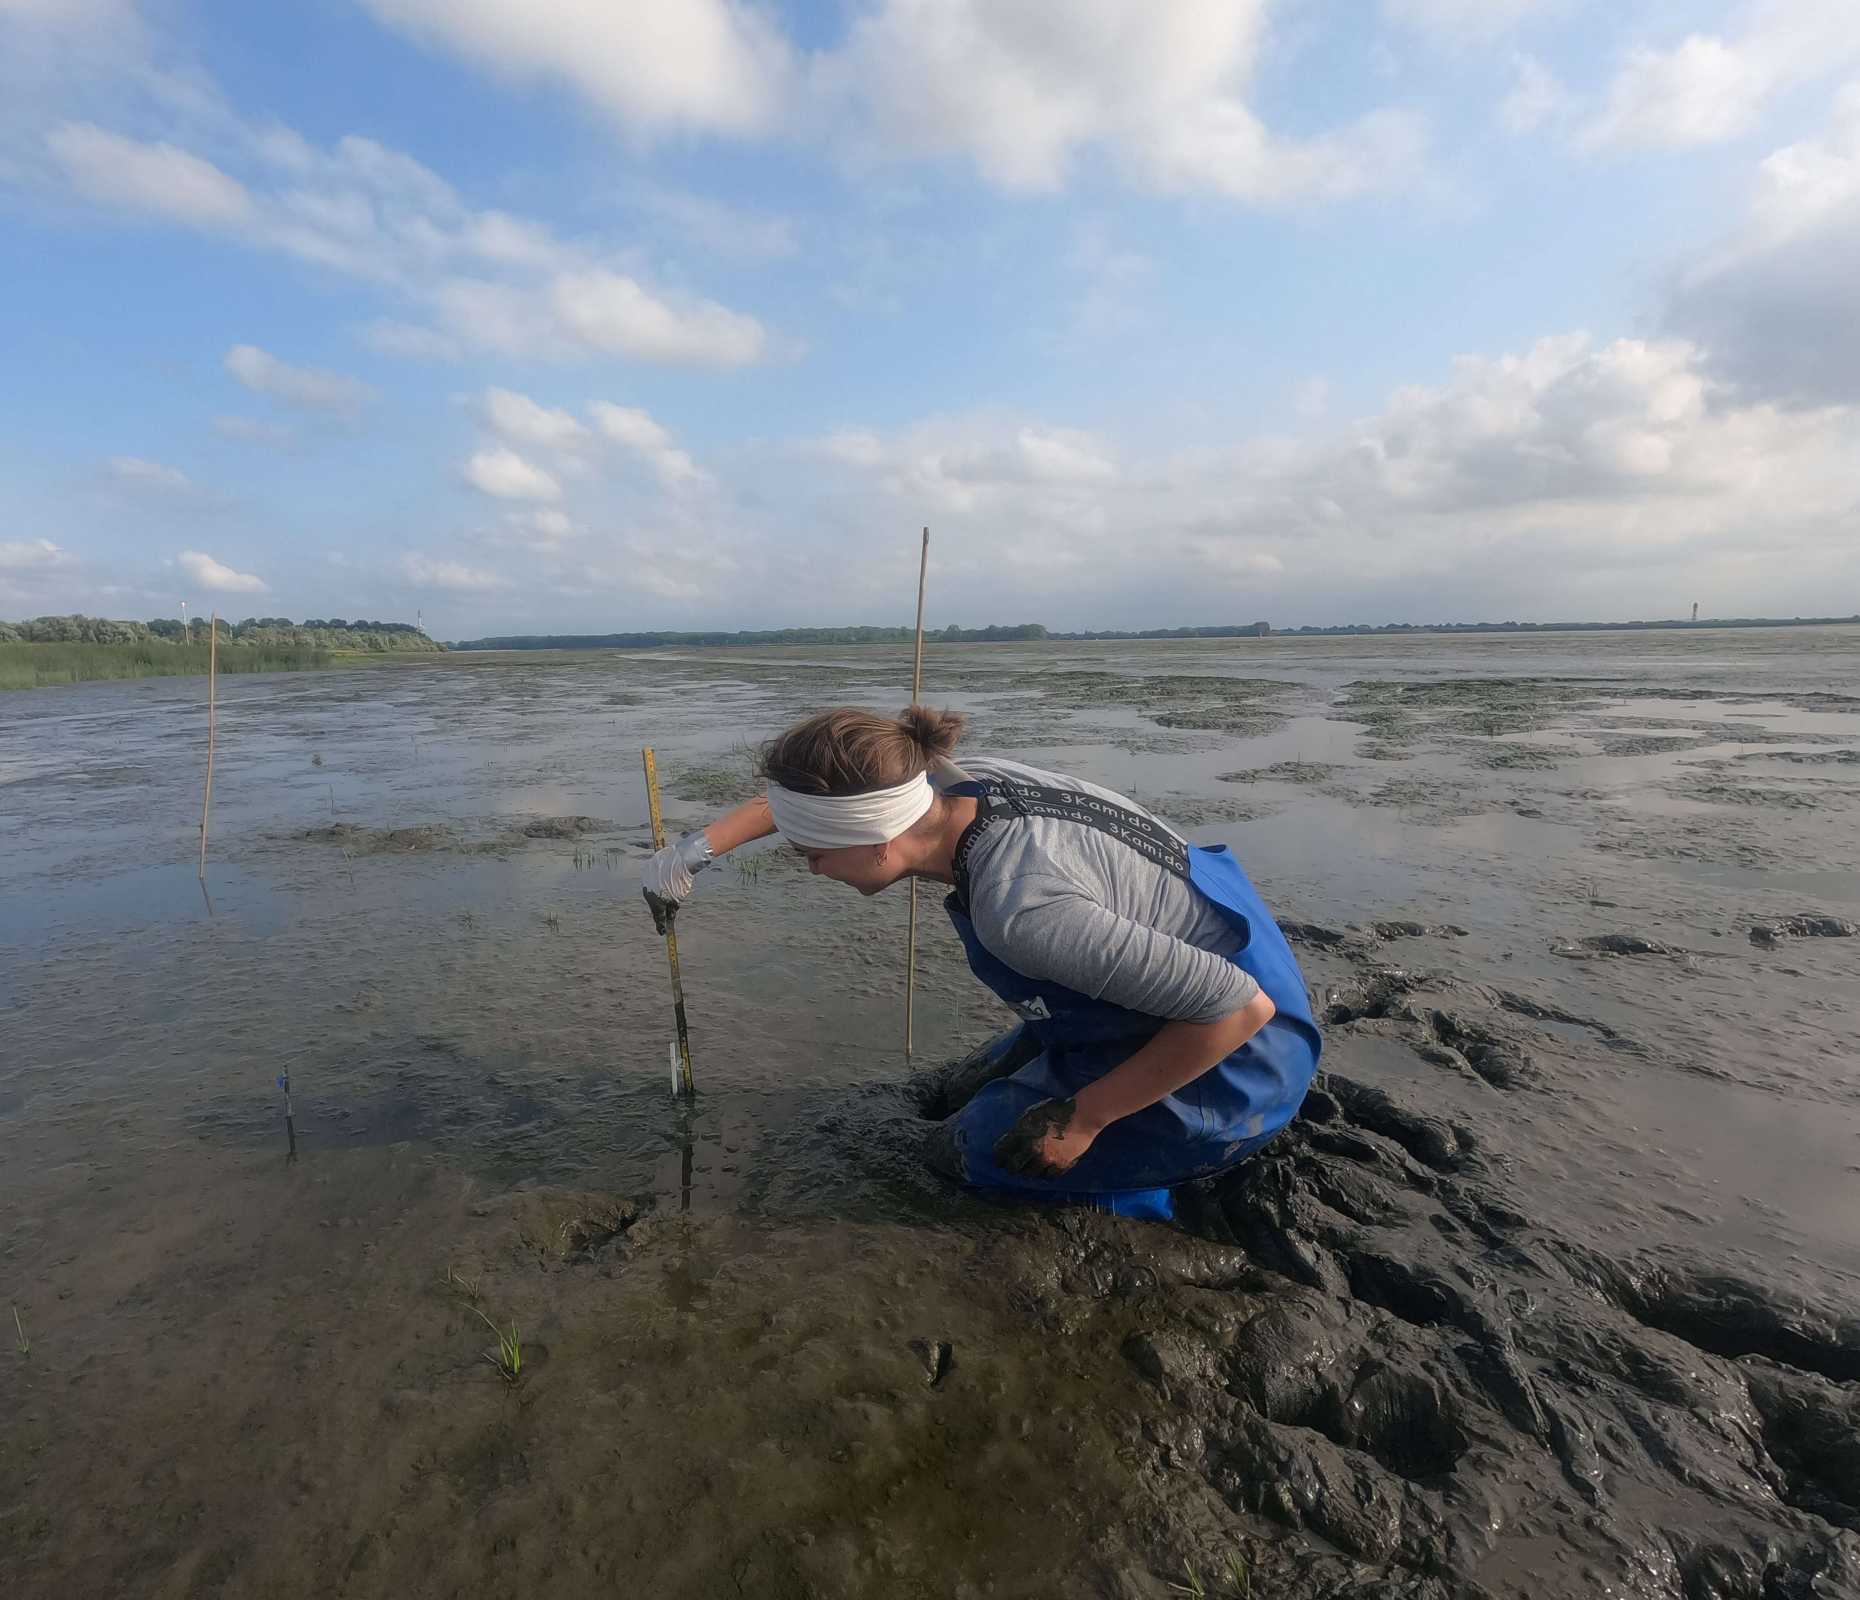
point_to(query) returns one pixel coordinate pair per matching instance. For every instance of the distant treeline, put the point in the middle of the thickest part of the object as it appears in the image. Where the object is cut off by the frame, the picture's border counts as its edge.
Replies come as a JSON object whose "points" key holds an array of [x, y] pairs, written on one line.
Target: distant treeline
{"points": [[1572, 627], [994, 633], [1021, 631], [332, 633]]}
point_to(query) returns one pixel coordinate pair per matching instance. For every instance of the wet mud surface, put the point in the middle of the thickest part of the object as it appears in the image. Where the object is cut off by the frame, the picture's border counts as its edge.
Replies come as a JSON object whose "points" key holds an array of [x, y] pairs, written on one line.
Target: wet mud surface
{"points": [[1552, 1290]]}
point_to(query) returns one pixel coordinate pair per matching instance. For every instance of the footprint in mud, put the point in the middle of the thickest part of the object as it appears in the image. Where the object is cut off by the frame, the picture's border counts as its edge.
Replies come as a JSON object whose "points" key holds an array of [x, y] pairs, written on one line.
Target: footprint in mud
{"points": [[938, 1357], [1449, 1381], [1611, 944], [1487, 1050], [1805, 925]]}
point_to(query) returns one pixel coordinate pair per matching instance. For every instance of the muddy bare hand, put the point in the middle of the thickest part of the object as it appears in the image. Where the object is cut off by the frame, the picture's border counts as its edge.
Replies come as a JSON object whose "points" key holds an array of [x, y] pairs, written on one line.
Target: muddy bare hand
{"points": [[1046, 1140]]}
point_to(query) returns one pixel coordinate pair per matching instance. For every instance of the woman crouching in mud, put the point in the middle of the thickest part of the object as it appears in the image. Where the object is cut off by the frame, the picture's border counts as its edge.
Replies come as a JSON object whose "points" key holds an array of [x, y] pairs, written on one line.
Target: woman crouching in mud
{"points": [[1167, 1030]]}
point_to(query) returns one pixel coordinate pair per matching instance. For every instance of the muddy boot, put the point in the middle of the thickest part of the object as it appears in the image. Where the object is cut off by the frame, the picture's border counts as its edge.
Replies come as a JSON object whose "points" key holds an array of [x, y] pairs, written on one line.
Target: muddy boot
{"points": [[945, 1090]]}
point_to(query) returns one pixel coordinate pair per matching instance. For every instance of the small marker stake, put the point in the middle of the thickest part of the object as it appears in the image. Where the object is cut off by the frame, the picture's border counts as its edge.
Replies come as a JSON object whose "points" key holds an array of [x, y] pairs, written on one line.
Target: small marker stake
{"points": [[290, 1119], [213, 672]]}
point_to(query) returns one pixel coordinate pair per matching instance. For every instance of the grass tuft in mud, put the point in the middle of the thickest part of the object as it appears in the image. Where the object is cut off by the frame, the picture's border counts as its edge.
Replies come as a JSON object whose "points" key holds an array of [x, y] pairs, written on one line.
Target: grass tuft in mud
{"points": [[1302, 772], [726, 782], [508, 1356]]}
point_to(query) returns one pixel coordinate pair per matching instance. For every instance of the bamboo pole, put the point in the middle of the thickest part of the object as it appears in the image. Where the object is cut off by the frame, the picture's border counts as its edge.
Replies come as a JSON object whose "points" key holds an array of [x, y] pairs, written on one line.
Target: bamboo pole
{"points": [[917, 689], [213, 669], [685, 1085]]}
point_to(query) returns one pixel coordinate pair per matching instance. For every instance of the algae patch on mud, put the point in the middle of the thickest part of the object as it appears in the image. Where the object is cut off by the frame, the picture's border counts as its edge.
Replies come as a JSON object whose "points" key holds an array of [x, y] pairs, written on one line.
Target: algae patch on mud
{"points": [[1201, 703], [428, 837], [720, 785]]}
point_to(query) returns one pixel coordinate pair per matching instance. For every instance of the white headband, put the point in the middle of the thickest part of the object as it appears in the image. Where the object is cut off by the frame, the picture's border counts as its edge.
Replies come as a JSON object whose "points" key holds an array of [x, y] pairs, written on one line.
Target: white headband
{"points": [[833, 821]]}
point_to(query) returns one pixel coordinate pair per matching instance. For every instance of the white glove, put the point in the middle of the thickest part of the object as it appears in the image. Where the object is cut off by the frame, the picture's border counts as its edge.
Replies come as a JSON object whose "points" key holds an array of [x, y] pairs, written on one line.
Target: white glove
{"points": [[666, 881]]}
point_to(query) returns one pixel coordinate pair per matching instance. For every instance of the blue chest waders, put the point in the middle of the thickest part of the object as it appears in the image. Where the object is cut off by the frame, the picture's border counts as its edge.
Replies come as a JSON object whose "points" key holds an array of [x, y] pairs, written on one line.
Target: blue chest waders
{"points": [[1221, 1118]]}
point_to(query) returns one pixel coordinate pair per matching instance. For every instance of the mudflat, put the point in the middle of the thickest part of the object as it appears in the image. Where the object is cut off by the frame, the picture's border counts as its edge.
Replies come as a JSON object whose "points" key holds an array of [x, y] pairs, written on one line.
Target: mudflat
{"points": [[1553, 1289]]}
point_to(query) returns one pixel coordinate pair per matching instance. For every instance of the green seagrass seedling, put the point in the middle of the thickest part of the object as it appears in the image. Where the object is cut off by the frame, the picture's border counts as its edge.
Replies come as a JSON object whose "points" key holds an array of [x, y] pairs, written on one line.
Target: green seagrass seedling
{"points": [[508, 1356]]}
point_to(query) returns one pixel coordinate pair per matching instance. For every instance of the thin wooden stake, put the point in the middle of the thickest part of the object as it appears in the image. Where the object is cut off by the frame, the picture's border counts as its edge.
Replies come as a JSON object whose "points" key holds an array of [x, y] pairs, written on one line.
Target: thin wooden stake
{"points": [[213, 670], [684, 1082], [917, 689]]}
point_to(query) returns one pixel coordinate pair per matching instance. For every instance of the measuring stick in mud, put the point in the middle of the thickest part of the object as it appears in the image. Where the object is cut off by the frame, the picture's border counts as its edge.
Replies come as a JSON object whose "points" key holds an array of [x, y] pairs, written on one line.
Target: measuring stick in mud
{"points": [[290, 1118], [683, 1082], [213, 672], [917, 689]]}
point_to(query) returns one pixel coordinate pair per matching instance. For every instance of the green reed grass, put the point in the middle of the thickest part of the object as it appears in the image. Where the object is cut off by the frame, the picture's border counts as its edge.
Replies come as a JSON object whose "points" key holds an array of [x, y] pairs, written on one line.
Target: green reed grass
{"points": [[508, 1356], [37, 666]]}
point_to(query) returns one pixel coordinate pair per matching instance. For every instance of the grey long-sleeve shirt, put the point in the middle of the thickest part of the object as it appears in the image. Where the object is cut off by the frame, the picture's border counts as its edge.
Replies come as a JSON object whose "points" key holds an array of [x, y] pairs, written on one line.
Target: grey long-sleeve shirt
{"points": [[1062, 901]]}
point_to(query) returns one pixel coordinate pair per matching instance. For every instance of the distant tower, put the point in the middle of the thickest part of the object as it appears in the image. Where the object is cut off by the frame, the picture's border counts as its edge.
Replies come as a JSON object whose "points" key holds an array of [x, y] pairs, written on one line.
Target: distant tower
{"points": [[1695, 611], [419, 619]]}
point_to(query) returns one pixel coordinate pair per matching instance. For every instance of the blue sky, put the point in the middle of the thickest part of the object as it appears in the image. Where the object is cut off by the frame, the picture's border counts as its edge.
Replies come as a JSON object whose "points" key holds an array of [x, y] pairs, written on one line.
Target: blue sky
{"points": [[556, 315]]}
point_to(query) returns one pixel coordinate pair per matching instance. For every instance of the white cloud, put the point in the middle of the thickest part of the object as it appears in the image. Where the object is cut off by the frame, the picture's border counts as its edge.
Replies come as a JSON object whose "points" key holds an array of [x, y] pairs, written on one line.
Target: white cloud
{"points": [[544, 523], [712, 66], [978, 466], [1778, 307], [431, 573], [638, 432], [1032, 455], [249, 430], [1571, 477], [505, 475], [520, 420], [1458, 22], [21, 555], [536, 530], [159, 179], [1563, 421], [853, 447], [306, 388], [682, 570], [486, 279], [211, 574], [1702, 92], [394, 338], [1535, 98], [1024, 88], [1713, 87], [135, 472], [540, 528], [609, 311], [55, 11]]}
